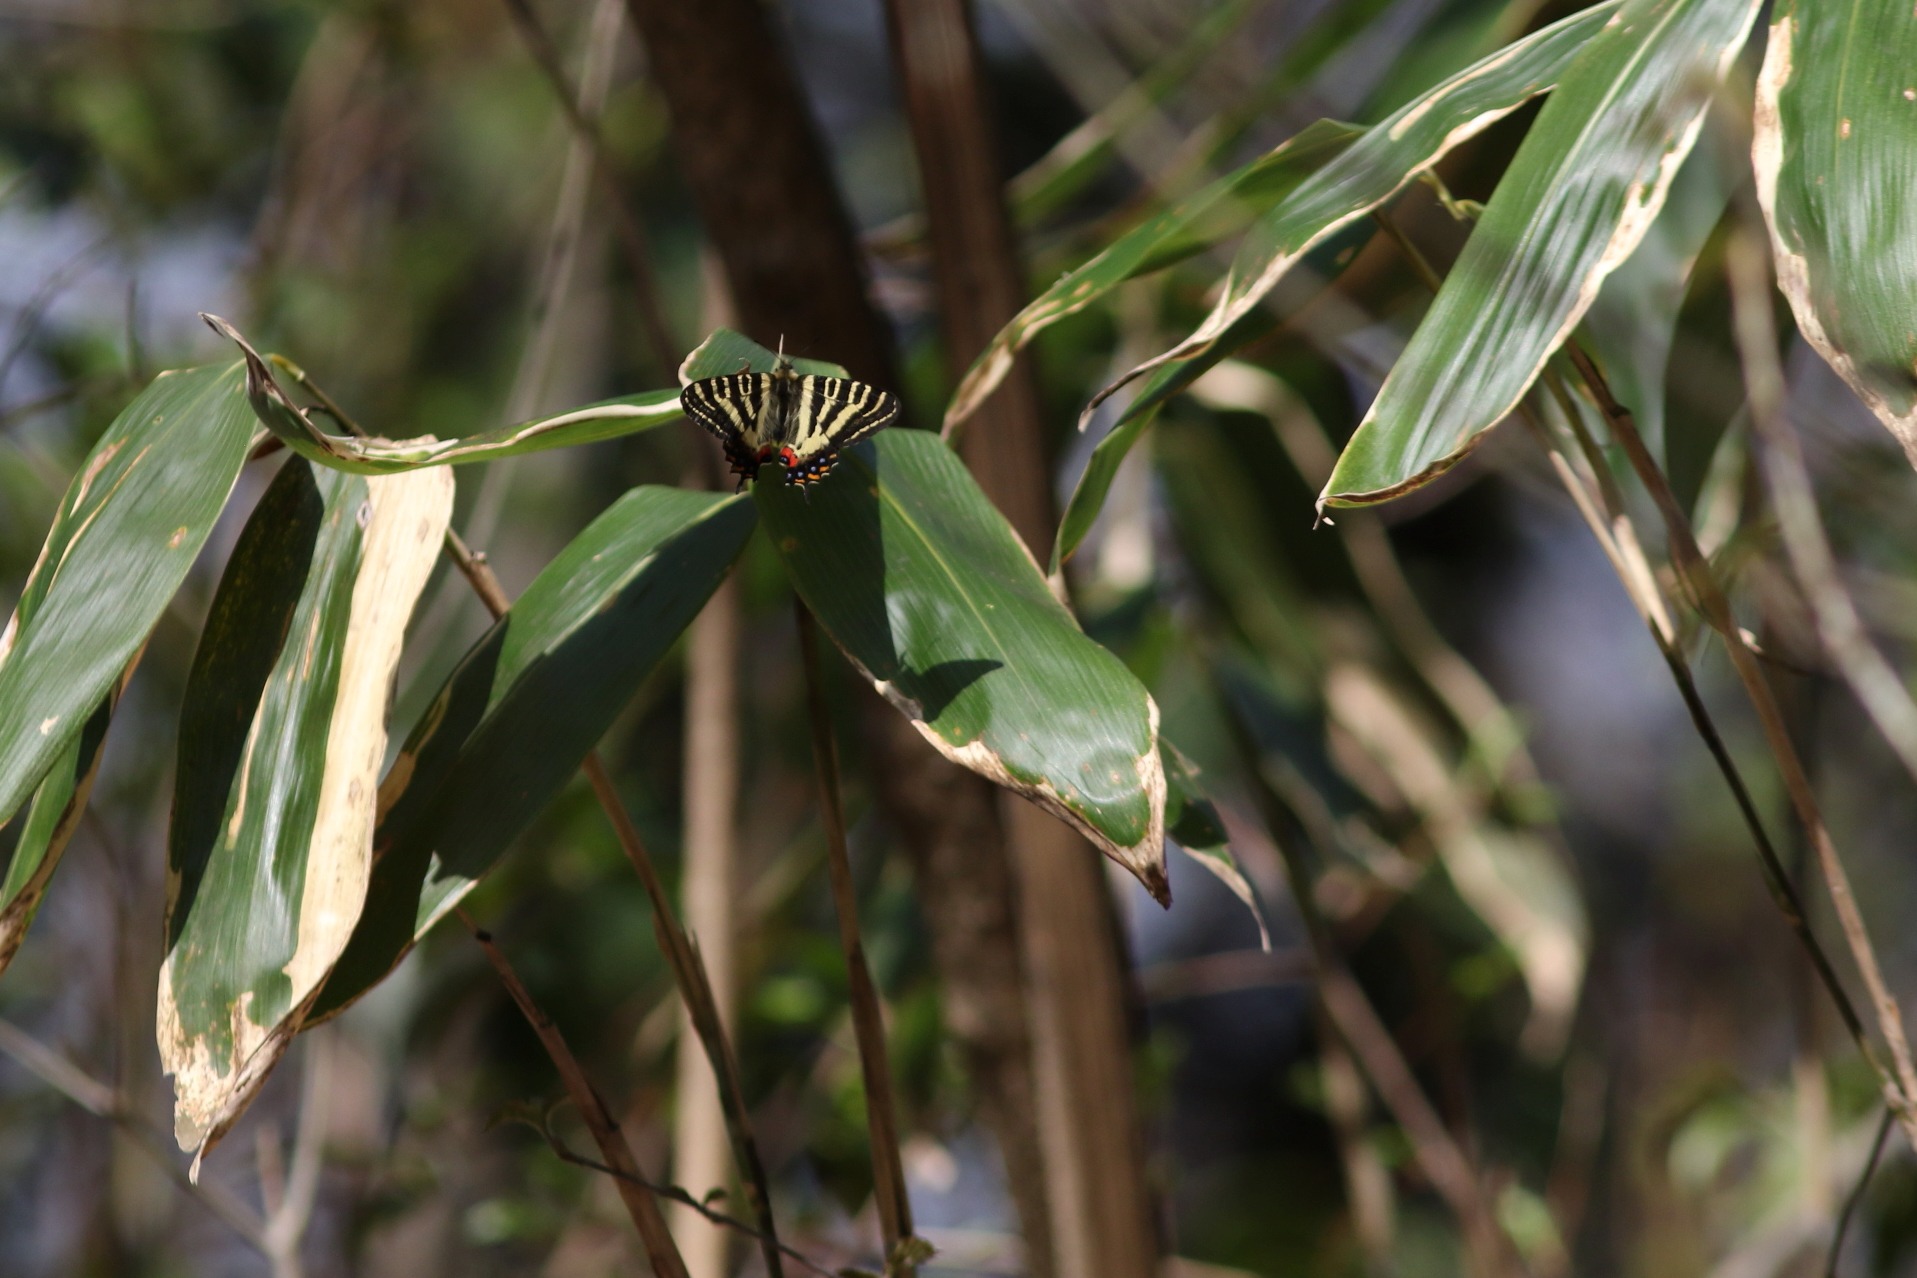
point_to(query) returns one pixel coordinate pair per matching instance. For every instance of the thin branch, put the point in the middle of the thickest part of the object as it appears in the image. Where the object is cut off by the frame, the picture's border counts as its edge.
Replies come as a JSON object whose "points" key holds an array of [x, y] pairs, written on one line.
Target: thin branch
{"points": [[1877, 686], [326, 402], [888, 1172], [1857, 1194], [645, 286], [1695, 571], [287, 1222], [1617, 536], [689, 972], [61, 1074], [1627, 559], [633, 1191], [678, 1195], [1445, 1163], [681, 953]]}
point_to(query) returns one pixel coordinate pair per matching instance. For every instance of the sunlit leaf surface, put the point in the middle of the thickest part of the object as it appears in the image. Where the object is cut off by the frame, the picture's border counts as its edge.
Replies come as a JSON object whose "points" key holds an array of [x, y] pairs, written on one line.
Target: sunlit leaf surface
{"points": [[130, 526], [1588, 181], [1836, 158], [1321, 266], [928, 590], [1379, 165], [1220, 210]]}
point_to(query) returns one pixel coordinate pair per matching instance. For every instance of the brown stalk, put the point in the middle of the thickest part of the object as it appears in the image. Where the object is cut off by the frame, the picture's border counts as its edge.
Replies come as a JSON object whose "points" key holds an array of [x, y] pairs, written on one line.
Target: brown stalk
{"points": [[689, 972], [681, 953], [700, 1146], [754, 162], [1878, 687], [1695, 571], [1444, 1162], [1061, 1093], [639, 1200], [1627, 559], [868, 1021], [632, 238], [1617, 536]]}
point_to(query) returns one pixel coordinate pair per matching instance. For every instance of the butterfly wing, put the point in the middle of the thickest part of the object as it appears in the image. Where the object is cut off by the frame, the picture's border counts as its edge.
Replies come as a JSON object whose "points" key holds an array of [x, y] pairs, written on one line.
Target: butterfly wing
{"points": [[832, 413], [732, 409]]}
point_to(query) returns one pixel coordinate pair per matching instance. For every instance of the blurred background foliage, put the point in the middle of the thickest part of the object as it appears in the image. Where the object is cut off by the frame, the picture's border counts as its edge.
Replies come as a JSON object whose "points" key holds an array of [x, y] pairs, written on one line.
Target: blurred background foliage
{"points": [[373, 186]]}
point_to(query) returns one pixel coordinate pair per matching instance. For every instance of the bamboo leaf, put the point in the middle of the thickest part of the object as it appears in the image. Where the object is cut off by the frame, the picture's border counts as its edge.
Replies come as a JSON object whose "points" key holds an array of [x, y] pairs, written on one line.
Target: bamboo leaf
{"points": [[127, 530], [1220, 210], [1633, 319], [1380, 164], [532, 697], [726, 351], [58, 804], [1587, 182], [1323, 265], [1835, 150], [607, 419], [281, 745], [929, 592], [1193, 824]]}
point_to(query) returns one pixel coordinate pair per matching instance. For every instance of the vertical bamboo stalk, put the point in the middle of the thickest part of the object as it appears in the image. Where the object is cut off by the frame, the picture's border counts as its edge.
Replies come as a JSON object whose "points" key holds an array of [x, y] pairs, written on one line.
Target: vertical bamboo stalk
{"points": [[1095, 1203], [881, 1115], [701, 1150]]}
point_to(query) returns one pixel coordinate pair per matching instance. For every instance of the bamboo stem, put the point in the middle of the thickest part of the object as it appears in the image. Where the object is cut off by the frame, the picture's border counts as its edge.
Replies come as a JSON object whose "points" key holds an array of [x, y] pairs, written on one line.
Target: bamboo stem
{"points": [[888, 1172], [681, 953], [1617, 536], [639, 1200], [1692, 568]]}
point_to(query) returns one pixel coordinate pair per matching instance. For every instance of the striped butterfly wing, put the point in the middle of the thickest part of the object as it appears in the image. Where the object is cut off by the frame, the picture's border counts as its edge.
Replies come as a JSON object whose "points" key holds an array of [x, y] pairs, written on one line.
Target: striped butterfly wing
{"points": [[733, 409], [830, 414]]}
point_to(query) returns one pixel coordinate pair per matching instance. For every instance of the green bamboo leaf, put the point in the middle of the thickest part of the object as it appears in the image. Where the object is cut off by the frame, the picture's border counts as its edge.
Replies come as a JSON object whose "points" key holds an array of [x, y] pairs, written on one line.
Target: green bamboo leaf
{"points": [[1835, 150], [1193, 824], [532, 697], [1632, 322], [930, 593], [1323, 265], [1399, 148], [127, 530], [281, 742], [52, 817], [1587, 182], [1217, 212], [607, 419], [726, 351]]}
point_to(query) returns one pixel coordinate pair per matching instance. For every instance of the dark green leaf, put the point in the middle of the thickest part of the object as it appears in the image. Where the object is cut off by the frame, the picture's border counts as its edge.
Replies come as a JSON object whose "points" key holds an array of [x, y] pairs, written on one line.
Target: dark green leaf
{"points": [[930, 593], [532, 697], [128, 529], [1406, 143], [1220, 210]]}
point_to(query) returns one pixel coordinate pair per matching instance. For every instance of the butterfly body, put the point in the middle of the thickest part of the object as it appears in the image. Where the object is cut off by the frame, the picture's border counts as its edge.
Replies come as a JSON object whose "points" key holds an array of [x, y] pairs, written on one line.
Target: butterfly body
{"points": [[798, 421]]}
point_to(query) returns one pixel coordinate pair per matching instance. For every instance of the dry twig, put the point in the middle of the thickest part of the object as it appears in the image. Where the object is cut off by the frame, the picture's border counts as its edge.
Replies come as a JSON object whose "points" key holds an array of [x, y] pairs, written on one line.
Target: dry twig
{"points": [[633, 1188], [888, 1172]]}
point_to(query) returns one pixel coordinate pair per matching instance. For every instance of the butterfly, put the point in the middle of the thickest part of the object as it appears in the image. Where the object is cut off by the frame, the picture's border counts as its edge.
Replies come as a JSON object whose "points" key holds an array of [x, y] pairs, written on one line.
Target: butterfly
{"points": [[799, 420]]}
